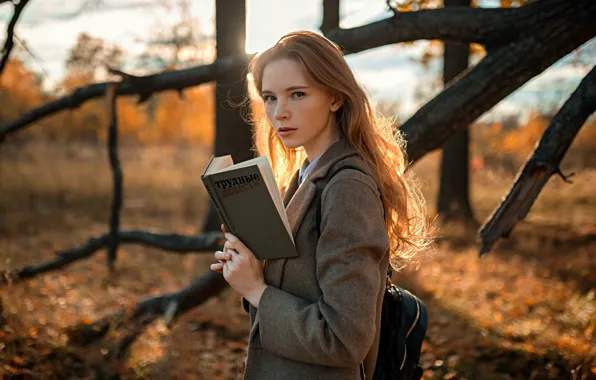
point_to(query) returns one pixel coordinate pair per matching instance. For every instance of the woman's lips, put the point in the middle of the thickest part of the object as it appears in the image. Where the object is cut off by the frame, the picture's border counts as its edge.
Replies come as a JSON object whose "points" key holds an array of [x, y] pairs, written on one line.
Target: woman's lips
{"points": [[285, 131]]}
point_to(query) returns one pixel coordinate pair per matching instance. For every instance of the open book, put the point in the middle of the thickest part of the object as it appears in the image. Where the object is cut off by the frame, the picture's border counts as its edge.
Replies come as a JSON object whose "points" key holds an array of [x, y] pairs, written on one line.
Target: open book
{"points": [[248, 202]]}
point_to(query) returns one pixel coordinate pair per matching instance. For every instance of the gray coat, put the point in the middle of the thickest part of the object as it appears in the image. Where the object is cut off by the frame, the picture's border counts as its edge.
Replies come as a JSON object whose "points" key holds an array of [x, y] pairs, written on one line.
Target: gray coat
{"points": [[319, 317]]}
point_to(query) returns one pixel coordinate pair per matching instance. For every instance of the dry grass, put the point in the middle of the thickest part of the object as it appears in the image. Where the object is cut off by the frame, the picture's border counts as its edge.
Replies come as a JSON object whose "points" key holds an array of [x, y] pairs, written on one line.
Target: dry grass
{"points": [[527, 310]]}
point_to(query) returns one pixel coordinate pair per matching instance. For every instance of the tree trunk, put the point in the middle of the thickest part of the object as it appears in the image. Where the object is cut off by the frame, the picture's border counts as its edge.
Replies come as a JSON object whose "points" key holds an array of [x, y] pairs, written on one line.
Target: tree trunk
{"points": [[454, 195], [232, 134]]}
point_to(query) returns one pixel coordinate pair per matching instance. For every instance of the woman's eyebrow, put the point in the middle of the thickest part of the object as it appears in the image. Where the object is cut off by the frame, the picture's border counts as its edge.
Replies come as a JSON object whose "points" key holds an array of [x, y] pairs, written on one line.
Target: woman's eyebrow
{"points": [[291, 88]]}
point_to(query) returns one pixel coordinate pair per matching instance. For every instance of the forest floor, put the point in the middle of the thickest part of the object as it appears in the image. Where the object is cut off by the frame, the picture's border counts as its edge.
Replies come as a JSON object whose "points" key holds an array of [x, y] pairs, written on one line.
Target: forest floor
{"points": [[527, 310]]}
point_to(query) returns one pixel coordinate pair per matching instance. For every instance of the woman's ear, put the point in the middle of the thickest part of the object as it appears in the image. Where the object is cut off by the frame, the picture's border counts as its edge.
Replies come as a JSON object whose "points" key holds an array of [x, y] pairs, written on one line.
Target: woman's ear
{"points": [[338, 101]]}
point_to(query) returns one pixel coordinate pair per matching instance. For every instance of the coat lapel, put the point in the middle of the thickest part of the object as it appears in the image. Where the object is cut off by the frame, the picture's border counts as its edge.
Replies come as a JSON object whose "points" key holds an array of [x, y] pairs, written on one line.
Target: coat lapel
{"points": [[292, 187], [297, 200]]}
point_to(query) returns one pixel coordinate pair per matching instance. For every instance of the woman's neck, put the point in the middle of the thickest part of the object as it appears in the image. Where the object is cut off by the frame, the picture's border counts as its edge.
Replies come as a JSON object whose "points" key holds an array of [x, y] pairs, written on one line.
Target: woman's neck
{"points": [[319, 144]]}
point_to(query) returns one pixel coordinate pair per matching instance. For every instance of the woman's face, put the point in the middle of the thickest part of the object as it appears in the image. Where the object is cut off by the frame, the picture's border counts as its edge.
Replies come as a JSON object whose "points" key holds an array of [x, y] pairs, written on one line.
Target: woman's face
{"points": [[301, 113]]}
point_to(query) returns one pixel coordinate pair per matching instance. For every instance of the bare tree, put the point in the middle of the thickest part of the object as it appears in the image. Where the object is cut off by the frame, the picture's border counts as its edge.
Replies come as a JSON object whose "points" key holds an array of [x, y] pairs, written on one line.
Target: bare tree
{"points": [[177, 45], [10, 37], [453, 201]]}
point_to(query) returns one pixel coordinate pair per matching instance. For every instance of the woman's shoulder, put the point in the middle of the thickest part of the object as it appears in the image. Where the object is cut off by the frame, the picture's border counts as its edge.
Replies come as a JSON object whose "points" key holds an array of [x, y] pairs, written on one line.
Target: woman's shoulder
{"points": [[352, 190], [349, 177]]}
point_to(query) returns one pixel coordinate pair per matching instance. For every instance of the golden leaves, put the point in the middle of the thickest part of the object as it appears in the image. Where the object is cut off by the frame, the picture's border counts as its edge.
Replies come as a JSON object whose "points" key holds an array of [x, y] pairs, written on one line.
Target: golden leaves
{"points": [[507, 3], [416, 5]]}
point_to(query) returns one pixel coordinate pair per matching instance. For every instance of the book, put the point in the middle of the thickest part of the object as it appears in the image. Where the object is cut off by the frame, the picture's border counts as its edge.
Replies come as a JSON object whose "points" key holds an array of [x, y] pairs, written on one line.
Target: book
{"points": [[248, 202]]}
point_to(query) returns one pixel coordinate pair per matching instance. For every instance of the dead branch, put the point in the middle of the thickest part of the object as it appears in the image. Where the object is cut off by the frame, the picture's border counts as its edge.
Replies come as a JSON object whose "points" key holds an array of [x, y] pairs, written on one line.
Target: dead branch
{"points": [[116, 174], [542, 163], [330, 16], [9, 43], [207, 242], [169, 305], [495, 77], [143, 87], [490, 27], [460, 24]]}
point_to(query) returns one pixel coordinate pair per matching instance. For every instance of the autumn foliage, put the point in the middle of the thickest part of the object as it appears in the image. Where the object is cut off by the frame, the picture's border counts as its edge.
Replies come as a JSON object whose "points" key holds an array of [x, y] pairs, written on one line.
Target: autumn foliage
{"points": [[165, 118], [508, 147]]}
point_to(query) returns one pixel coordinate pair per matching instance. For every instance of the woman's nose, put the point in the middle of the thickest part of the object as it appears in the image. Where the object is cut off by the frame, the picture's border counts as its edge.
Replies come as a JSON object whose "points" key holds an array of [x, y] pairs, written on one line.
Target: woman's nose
{"points": [[281, 111]]}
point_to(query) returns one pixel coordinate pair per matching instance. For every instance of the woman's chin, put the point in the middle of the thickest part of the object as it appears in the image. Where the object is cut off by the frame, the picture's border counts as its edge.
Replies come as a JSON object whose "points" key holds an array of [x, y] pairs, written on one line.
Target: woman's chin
{"points": [[290, 143]]}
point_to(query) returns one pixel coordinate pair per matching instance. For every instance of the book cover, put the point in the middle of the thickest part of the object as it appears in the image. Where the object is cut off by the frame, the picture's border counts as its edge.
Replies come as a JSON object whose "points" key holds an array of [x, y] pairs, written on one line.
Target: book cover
{"points": [[250, 205]]}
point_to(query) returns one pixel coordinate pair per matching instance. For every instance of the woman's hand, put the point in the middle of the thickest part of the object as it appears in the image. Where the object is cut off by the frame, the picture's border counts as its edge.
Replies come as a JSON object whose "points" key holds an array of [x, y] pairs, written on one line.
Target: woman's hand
{"points": [[240, 268]]}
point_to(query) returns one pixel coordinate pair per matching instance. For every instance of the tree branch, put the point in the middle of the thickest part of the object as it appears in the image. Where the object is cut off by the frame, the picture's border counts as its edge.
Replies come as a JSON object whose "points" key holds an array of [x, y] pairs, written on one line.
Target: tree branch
{"points": [[495, 77], [207, 242], [542, 163], [9, 43], [142, 86], [169, 305], [116, 174], [330, 16], [491, 27], [460, 24]]}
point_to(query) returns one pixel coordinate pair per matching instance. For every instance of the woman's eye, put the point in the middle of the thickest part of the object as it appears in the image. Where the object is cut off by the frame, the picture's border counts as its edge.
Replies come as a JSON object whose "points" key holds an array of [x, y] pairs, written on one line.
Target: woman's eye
{"points": [[298, 94], [268, 98]]}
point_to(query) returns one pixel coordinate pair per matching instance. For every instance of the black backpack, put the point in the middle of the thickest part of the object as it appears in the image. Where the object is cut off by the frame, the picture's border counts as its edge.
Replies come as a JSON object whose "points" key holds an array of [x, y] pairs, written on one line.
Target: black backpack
{"points": [[404, 319]]}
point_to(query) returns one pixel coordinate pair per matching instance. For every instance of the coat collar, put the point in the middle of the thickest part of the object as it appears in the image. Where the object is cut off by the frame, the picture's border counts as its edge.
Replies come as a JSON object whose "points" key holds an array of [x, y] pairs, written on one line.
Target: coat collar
{"points": [[335, 153]]}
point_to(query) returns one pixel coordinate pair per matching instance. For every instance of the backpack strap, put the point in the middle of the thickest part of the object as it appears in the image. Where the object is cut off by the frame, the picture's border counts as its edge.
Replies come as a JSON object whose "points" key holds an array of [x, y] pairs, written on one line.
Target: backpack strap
{"points": [[320, 184]]}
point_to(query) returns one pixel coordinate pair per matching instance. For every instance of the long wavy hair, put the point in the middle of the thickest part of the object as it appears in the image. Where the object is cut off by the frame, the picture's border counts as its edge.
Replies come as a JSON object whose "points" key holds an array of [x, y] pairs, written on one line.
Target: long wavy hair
{"points": [[376, 140]]}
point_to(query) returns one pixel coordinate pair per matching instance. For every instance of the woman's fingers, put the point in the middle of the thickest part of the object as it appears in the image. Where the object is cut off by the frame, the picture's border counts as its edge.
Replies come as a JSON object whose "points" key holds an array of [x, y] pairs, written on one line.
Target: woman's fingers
{"points": [[219, 255], [217, 267], [228, 246], [236, 244]]}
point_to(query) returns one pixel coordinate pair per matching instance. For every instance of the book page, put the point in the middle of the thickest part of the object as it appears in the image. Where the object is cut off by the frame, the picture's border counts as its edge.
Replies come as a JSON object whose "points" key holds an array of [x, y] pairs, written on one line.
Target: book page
{"points": [[216, 164], [243, 164], [269, 177]]}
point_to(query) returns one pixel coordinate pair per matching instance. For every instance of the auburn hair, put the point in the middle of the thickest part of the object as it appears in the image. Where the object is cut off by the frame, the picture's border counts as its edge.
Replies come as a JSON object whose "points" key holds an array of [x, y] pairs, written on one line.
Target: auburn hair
{"points": [[376, 140]]}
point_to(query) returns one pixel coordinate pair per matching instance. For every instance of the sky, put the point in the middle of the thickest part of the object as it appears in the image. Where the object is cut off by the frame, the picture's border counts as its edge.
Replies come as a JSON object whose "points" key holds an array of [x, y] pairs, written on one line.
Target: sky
{"points": [[50, 27]]}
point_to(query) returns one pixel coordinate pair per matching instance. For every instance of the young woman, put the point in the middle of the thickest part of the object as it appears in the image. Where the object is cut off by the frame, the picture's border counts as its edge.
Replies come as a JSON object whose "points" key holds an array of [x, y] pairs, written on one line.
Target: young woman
{"points": [[317, 316]]}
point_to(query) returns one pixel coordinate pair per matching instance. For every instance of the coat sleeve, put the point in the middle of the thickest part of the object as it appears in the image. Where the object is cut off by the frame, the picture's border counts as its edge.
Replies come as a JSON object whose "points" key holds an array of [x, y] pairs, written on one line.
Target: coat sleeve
{"points": [[339, 328]]}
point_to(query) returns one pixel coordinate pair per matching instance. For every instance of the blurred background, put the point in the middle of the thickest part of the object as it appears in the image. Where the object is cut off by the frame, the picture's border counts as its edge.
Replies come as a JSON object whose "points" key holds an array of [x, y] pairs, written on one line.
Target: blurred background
{"points": [[527, 310]]}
